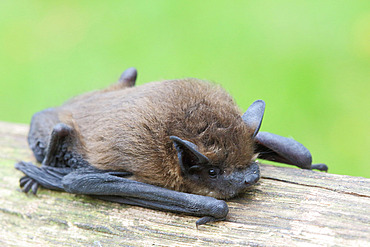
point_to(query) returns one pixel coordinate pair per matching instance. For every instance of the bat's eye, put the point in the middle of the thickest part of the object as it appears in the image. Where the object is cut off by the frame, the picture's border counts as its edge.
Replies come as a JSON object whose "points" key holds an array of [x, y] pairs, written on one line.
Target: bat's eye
{"points": [[212, 173]]}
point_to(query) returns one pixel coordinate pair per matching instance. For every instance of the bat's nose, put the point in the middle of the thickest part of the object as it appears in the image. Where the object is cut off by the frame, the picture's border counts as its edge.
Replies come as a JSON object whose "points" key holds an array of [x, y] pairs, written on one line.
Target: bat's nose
{"points": [[252, 179]]}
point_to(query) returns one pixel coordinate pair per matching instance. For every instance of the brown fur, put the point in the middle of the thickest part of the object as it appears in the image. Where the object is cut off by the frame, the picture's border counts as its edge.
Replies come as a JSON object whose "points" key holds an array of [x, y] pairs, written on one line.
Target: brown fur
{"points": [[128, 129]]}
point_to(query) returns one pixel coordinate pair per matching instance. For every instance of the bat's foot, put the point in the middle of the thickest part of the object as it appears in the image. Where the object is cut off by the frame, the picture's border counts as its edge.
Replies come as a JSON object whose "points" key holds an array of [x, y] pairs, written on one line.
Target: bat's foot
{"points": [[28, 185], [47, 177], [320, 167]]}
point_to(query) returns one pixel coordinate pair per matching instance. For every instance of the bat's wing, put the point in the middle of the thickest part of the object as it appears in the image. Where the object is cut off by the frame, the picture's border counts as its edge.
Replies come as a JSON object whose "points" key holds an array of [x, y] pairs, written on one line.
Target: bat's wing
{"points": [[51, 177], [108, 186], [114, 186], [42, 124], [285, 150]]}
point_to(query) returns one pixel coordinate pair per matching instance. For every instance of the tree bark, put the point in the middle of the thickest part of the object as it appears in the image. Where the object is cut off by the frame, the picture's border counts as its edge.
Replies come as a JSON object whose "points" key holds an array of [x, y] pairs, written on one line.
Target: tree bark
{"points": [[288, 207]]}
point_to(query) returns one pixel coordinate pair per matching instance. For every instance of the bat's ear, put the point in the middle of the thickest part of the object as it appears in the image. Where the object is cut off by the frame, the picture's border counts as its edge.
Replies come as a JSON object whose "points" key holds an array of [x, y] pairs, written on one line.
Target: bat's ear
{"points": [[253, 116], [189, 156], [128, 77]]}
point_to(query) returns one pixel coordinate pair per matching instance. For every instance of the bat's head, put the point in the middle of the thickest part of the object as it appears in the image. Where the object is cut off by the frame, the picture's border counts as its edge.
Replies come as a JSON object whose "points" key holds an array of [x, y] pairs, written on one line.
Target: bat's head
{"points": [[223, 164]]}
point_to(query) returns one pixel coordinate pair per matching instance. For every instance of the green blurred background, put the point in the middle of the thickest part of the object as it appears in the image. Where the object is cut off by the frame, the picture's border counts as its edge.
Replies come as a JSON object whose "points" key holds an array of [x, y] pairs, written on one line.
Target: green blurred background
{"points": [[309, 60]]}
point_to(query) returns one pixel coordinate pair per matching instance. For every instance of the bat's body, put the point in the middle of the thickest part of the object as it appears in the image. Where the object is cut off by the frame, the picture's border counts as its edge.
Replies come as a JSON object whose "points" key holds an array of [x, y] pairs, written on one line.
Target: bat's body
{"points": [[129, 130], [147, 145]]}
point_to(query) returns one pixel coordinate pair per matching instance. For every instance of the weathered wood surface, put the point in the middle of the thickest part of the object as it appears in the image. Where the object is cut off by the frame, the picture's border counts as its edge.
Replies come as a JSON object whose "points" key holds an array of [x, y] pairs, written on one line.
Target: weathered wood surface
{"points": [[288, 207]]}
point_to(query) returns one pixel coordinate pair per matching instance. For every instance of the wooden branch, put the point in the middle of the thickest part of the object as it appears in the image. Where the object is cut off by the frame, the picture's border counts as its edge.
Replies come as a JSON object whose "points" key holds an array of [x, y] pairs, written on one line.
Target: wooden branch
{"points": [[288, 207]]}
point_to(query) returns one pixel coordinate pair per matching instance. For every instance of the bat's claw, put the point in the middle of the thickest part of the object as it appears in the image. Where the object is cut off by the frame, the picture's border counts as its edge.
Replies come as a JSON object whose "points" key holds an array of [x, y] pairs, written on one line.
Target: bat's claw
{"points": [[207, 219], [28, 185], [320, 167]]}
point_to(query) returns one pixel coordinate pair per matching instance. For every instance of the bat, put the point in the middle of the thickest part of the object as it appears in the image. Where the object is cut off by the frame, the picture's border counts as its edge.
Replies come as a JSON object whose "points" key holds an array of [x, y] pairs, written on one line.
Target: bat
{"points": [[177, 145]]}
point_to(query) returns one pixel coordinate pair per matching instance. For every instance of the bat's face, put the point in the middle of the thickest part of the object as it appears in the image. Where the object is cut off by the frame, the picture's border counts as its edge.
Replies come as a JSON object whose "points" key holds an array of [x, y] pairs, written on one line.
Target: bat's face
{"points": [[220, 178], [223, 165], [217, 183]]}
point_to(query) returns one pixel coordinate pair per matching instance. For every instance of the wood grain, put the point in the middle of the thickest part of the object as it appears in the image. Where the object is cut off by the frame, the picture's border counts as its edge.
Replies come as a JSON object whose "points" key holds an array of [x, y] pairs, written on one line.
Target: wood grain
{"points": [[288, 207]]}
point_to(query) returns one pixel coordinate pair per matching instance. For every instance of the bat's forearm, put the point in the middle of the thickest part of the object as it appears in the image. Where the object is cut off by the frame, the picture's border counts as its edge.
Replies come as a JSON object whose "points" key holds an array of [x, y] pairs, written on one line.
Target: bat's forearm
{"points": [[112, 188]]}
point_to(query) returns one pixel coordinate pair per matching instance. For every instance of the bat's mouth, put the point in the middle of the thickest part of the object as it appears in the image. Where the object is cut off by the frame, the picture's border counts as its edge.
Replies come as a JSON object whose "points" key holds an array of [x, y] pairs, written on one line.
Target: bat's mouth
{"points": [[253, 175], [236, 182], [252, 179]]}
